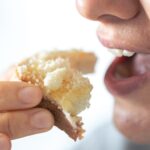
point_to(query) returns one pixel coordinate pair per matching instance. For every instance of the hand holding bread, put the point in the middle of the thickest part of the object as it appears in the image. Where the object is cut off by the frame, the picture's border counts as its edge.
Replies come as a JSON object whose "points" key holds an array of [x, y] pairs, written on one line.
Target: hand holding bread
{"points": [[66, 92]]}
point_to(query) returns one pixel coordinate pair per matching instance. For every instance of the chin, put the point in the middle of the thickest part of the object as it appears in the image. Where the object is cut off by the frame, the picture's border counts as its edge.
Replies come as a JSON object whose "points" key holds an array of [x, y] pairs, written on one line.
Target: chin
{"points": [[133, 122]]}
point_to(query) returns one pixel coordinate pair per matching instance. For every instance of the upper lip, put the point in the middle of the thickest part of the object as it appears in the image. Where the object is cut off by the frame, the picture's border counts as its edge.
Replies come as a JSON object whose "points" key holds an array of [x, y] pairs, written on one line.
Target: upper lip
{"points": [[110, 38], [112, 44]]}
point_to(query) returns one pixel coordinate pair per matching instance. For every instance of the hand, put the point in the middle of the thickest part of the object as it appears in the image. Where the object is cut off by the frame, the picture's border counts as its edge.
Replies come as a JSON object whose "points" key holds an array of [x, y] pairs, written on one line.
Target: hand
{"points": [[18, 117]]}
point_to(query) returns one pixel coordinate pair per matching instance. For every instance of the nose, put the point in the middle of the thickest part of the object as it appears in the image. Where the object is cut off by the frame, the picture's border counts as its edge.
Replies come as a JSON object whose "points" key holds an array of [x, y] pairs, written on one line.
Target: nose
{"points": [[97, 9]]}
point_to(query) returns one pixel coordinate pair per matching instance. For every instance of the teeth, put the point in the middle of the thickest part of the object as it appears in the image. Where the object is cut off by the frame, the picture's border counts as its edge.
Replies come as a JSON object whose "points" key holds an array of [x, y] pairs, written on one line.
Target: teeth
{"points": [[120, 53], [127, 53], [116, 52]]}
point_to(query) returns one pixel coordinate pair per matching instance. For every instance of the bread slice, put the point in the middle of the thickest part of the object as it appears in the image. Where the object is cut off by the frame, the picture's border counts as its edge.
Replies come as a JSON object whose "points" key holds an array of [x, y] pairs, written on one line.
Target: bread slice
{"points": [[65, 91], [80, 60]]}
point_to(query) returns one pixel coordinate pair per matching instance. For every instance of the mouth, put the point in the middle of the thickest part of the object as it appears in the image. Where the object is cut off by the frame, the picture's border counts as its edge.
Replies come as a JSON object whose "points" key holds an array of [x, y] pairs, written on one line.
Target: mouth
{"points": [[127, 74]]}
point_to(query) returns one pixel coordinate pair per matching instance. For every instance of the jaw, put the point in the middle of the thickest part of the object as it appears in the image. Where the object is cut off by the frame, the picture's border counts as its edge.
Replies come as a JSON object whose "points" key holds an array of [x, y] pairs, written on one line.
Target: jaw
{"points": [[133, 121]]}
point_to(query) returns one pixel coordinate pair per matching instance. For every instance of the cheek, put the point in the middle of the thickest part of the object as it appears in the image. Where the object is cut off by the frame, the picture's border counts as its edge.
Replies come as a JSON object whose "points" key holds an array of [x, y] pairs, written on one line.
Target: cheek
{"points": [[133, 122]]}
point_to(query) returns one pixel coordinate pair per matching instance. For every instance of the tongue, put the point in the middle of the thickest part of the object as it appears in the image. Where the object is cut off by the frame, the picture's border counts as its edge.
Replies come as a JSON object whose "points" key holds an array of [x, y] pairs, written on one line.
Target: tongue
{"points": [[141, 64]]}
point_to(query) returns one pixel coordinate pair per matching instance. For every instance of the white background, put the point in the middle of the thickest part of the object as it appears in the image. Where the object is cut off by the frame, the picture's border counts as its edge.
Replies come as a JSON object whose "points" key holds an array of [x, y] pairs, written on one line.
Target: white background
{"points": [[28, 26]]}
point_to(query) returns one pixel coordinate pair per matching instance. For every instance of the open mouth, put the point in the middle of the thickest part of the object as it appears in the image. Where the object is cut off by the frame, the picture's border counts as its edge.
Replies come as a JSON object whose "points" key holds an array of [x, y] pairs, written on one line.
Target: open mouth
{"points": [[127, 74]]}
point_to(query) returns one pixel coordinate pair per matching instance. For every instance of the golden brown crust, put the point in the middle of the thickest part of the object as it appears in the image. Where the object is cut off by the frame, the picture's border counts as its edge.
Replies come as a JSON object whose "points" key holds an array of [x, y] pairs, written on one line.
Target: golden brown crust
{"points": [[82, 61], [61, 121]]}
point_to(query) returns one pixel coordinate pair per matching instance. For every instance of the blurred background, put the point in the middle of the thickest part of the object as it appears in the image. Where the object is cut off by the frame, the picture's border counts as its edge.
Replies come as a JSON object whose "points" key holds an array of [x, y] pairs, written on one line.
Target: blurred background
{"points": [[29, 26]]}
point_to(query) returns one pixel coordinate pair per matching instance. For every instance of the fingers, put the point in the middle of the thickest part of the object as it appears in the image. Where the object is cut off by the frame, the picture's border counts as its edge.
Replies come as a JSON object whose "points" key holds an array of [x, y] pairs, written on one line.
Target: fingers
{"points": [[23, 123], [18, 95], [5, 143]]}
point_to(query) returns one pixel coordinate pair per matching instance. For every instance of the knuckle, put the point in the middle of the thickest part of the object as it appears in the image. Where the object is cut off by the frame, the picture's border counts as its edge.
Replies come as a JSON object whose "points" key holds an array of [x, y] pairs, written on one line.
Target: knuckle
{"points": [[6, 124], [5, 89], [9, 126]]}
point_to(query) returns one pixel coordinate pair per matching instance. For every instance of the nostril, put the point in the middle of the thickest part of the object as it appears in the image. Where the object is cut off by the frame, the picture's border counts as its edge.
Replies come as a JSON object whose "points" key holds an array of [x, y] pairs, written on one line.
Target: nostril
{"points": [[113, 19], [118, 15], [109, 18]]}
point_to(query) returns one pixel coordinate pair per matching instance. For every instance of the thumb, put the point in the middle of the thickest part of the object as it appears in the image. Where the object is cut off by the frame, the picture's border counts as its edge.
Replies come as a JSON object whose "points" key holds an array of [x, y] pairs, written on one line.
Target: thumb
{"points": [[17, 124]]}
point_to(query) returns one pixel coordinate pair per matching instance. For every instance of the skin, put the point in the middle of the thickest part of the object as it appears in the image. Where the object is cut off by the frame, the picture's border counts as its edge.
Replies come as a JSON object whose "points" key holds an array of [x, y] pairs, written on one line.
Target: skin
{"points": [[18, 116], [118, 24], [125, 25]]}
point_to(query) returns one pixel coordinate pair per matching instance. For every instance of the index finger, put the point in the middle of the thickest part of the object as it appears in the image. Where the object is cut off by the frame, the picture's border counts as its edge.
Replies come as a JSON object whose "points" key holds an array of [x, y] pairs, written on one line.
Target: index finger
{"points": [[18, 95]]}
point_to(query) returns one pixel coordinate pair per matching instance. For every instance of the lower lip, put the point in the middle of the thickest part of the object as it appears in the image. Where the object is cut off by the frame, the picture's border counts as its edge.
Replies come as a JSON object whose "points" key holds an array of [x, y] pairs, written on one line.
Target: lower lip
{"points": [[122, 87]]}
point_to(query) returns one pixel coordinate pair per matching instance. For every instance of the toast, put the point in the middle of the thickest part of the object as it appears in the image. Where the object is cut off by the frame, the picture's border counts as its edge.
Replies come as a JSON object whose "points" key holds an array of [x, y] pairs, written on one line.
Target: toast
{"points": [[66, 92]]}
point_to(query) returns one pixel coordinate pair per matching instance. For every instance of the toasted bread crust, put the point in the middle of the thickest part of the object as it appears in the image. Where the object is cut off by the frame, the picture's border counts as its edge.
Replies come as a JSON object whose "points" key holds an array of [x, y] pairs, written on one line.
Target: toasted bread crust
{"points": [[82, 61], [75, 92], [61, 121], [79, 60]]}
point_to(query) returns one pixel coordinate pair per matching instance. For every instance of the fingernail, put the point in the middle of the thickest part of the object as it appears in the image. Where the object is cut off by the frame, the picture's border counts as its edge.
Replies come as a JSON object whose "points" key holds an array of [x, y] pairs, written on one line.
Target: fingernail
{"points": [[41, 120], [30, 94], [4, 145]]}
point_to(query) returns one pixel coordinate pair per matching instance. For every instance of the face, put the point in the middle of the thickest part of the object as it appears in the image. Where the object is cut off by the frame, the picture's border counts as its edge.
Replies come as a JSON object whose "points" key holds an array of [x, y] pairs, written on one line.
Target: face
{"points": [[125, 25]]}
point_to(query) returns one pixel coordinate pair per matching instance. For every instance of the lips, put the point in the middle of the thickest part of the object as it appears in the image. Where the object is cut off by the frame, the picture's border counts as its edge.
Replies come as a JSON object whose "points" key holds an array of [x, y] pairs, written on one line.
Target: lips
{"points": [[126, 75], [124, 36]]}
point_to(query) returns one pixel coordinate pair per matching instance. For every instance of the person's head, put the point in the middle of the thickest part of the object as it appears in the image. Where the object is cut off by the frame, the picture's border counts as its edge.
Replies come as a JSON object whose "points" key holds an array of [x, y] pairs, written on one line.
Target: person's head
{"points": [[125, 24]]}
